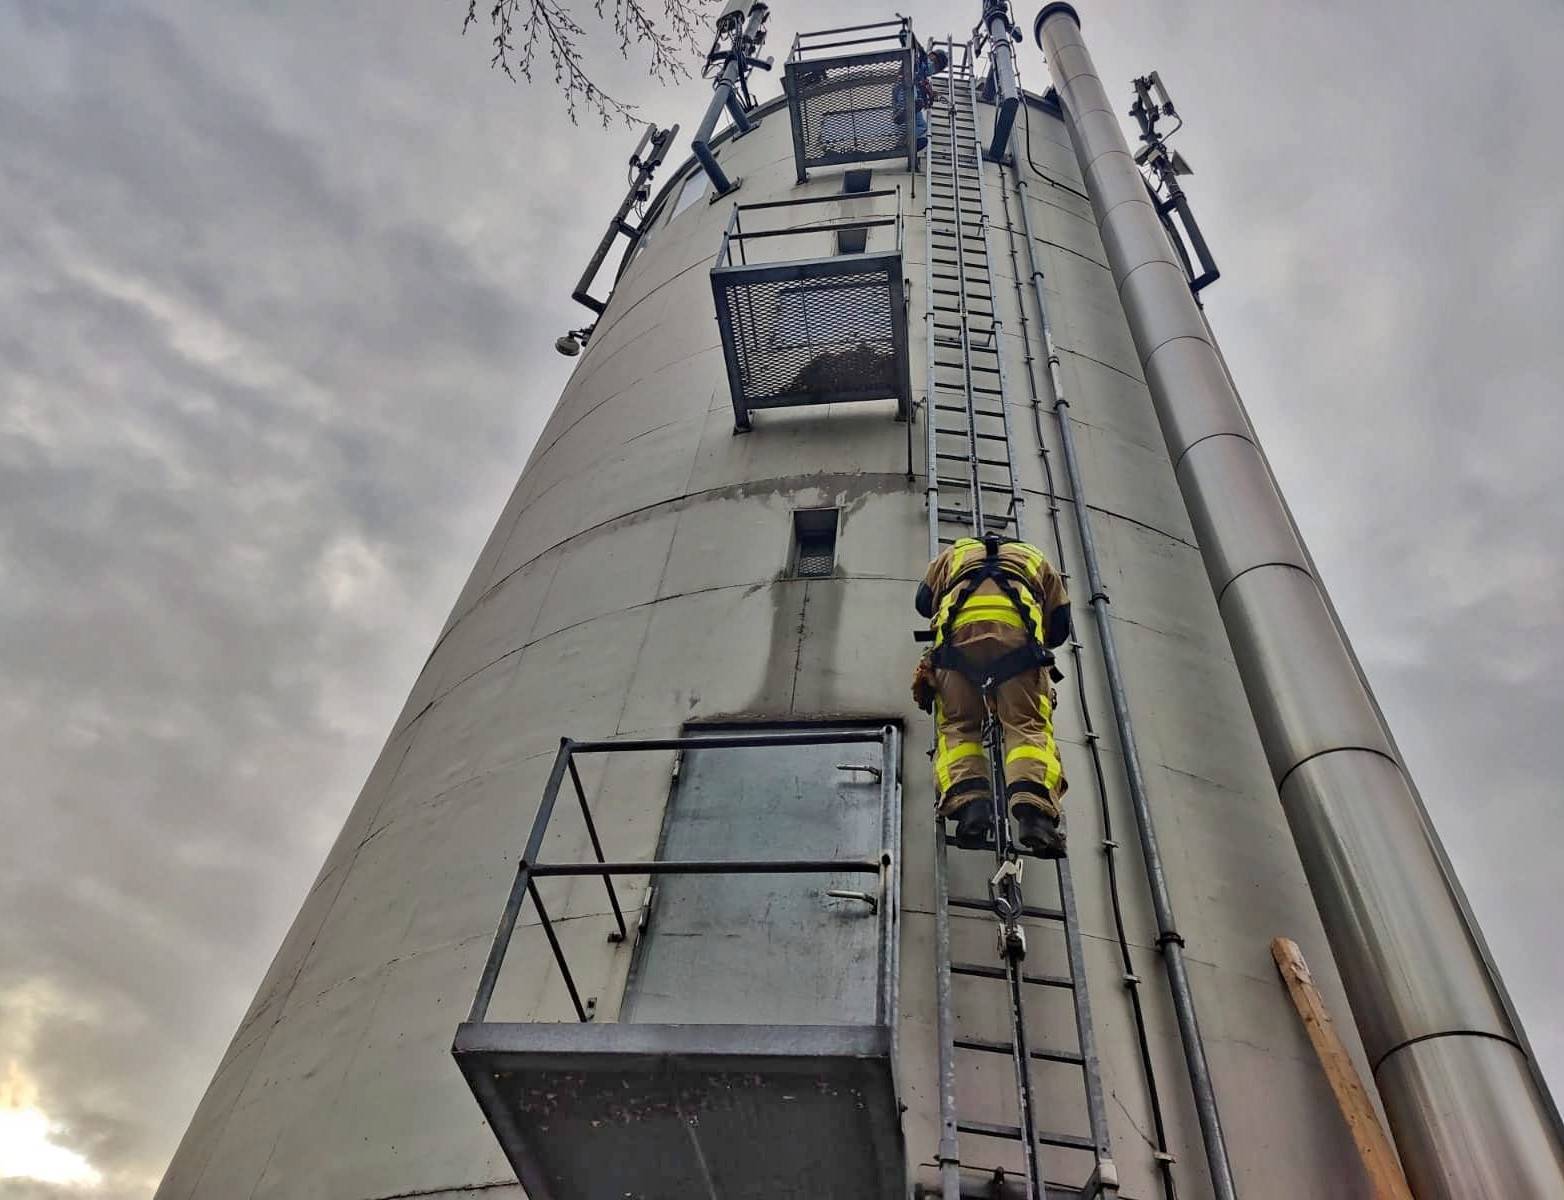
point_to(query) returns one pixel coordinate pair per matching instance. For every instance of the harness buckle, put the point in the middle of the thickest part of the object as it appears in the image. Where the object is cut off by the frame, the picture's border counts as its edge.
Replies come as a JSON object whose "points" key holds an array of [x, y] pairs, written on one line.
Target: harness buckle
{"points": [[1010, 869]]}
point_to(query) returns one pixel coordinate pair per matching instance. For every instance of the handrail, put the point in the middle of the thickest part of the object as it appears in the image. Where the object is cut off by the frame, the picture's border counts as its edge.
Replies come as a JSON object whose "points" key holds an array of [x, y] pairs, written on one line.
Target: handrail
{"points": [[735, 233], [529, 870], [902, 27]]}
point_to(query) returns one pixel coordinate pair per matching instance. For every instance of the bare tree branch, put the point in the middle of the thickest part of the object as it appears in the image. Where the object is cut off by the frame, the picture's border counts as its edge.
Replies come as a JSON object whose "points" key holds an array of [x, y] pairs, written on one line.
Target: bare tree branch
{"points": [[542, 35]]}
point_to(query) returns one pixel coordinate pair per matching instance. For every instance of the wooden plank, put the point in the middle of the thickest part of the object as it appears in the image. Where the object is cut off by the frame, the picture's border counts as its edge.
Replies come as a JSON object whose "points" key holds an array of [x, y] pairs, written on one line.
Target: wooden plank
{"points": [[1379, 1159]]}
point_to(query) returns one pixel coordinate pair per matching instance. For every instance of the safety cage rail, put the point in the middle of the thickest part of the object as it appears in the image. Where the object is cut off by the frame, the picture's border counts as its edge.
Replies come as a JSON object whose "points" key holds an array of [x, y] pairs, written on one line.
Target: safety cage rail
{"points": [[529, 870], [584, 1108], [822, 329], [850, 93]]}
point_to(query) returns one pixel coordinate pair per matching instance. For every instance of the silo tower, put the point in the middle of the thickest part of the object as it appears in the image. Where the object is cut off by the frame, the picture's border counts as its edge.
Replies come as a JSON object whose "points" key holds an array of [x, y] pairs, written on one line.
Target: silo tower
{"points": [[665, 739]]}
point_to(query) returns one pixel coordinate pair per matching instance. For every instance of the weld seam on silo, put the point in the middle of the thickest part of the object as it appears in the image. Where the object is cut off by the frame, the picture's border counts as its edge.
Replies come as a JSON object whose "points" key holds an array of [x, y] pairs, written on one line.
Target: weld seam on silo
{"points": [[1260, 566], [1169, 941], [1406, 948], [1179, 461], [1342, 749], [1434, 1037]]}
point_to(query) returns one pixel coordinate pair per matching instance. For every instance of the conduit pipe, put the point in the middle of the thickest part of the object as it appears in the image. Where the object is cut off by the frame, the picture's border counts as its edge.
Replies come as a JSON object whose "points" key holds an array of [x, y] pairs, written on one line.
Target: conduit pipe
{"points": [[1002, 37], [1465, 1103], [1169, 940]]}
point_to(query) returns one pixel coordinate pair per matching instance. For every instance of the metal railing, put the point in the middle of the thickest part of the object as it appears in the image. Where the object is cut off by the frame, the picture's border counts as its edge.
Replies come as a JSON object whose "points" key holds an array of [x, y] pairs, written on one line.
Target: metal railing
{"points": [[529, 870], [850, 92], [821, 329]]}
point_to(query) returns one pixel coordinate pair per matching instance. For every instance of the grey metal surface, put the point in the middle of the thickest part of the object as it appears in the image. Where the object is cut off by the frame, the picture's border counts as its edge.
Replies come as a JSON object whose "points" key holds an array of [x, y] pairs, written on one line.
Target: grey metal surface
{"points": [[1399, 934], [1467, 1100], [683, 1111], [1352, 808], [759, 950]]}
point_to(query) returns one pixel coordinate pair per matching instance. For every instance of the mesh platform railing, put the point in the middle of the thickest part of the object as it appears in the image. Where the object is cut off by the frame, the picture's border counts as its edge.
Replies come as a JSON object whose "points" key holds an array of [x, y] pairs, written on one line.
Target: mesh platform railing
{"points": [[850, 92], [813, 330]]}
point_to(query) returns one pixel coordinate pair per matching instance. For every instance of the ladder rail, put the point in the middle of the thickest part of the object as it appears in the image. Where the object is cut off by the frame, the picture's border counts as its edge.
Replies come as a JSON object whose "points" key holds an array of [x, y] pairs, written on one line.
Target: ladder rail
{"points": [[962, 232], [931, 453], [1016, 498], [975, 500]]}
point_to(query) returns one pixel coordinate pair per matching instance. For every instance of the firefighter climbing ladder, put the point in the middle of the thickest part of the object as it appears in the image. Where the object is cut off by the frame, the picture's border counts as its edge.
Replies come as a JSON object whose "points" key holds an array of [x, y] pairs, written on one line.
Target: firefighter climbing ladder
{"points": [[971, 489]]}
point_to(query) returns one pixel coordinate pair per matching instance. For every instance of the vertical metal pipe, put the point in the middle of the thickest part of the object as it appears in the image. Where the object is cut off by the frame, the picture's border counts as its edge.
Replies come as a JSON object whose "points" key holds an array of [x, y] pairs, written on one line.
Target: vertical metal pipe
{"points": [[726, 97], [1169, 940], [1465, 1104], [1007, 88]]}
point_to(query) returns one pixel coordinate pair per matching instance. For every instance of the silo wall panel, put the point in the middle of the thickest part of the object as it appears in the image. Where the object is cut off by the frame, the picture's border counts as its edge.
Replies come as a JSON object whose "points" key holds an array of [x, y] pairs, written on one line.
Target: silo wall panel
{"points": [[638, 580]]}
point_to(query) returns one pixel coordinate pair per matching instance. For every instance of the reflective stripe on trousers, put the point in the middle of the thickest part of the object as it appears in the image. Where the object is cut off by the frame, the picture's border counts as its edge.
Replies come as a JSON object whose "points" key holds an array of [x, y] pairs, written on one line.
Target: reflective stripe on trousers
{"points": [[949, 754]]}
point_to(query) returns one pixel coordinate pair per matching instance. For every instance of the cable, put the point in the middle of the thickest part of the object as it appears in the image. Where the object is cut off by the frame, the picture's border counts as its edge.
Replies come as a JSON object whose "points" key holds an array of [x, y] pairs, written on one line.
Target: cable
{"points": [[1164, 1160], [1026, 119]]}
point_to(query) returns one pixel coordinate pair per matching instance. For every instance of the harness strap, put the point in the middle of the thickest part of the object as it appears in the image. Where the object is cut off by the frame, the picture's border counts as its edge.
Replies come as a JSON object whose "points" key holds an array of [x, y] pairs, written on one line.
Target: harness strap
{"points": [[1024, 658]]}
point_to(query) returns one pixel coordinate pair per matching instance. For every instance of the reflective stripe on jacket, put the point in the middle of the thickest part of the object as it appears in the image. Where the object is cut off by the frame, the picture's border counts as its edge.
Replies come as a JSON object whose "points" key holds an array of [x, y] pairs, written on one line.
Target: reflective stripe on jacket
{"points": [[1036, 584]]}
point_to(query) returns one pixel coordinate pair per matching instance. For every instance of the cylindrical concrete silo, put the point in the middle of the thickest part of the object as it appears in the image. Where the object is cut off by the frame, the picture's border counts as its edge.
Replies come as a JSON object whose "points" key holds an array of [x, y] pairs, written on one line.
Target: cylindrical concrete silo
{"points": [[657, 575]]}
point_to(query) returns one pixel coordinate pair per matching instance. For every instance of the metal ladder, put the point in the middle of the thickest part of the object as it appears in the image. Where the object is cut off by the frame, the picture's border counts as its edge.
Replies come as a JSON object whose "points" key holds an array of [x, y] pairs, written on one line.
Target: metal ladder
{"points": [[971, 489]]}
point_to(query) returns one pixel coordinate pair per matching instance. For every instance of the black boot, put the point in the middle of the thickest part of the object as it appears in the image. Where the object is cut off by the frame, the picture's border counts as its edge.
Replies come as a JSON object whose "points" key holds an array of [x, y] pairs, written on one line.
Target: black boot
{"points": [[975, 824], [1039, 832]]}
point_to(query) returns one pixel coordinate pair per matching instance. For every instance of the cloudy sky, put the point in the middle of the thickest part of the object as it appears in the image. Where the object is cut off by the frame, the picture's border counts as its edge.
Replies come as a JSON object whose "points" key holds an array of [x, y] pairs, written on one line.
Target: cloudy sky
{"points": [[278, 284]]}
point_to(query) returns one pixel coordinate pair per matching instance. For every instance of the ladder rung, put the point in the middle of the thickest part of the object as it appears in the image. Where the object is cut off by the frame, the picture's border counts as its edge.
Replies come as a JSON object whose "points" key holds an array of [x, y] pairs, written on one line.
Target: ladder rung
{"points": [[987, 462], [1072, 1057], [981, 971], [956, 484], [981, 412], [989, 1047], [984, 1045], [1068, 1141], [1041, 914], [941, 365], [985, 1129]]}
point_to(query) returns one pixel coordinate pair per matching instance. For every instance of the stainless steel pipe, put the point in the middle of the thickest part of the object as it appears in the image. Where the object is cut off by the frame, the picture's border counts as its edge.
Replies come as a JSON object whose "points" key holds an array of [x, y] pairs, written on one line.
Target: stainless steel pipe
{"points": [[1465, 1104]]}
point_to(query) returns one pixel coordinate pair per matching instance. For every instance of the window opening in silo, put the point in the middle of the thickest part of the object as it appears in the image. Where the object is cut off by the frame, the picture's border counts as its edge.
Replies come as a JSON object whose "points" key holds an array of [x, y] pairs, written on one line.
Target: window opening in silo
{"points": [[856, 181], [694, 188], [814, 538], [854, 239]]}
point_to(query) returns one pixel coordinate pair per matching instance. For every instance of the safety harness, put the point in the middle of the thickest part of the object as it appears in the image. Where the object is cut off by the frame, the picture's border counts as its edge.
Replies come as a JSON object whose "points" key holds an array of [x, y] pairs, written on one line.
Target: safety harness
{"points": [[1012, 663]]}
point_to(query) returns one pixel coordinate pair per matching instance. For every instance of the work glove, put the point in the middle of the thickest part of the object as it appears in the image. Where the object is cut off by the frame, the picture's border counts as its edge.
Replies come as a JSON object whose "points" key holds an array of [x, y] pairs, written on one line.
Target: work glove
{"points": [[923, 689]]}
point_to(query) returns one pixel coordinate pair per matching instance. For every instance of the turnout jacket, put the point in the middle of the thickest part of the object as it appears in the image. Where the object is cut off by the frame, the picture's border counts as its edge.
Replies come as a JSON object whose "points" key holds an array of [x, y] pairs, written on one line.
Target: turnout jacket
{"points": [[1045, 602]]}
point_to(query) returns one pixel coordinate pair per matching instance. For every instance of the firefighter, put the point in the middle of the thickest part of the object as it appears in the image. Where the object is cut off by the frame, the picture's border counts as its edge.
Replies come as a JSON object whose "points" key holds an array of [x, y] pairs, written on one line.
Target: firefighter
{"points": [[995, 608], [927, 65]]}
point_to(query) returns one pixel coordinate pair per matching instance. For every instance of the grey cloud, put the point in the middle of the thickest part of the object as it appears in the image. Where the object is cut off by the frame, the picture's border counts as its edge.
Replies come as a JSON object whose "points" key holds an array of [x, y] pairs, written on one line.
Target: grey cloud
{"points": [[278, 284]]}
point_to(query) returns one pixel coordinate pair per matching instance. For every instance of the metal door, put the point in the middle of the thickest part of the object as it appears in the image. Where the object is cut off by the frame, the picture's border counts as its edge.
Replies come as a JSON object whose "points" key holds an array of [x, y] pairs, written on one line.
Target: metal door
{"points": [[770, 949]]}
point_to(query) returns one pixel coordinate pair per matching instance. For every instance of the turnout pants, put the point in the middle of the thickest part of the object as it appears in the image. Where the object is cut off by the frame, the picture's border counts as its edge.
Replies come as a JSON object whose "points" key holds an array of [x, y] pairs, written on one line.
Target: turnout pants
{"points": [[1033, 773]]}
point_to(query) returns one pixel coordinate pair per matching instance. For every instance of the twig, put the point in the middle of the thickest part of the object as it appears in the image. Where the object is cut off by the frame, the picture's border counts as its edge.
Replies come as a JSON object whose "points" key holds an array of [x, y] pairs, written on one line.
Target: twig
{"points": [[521, 27]]}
